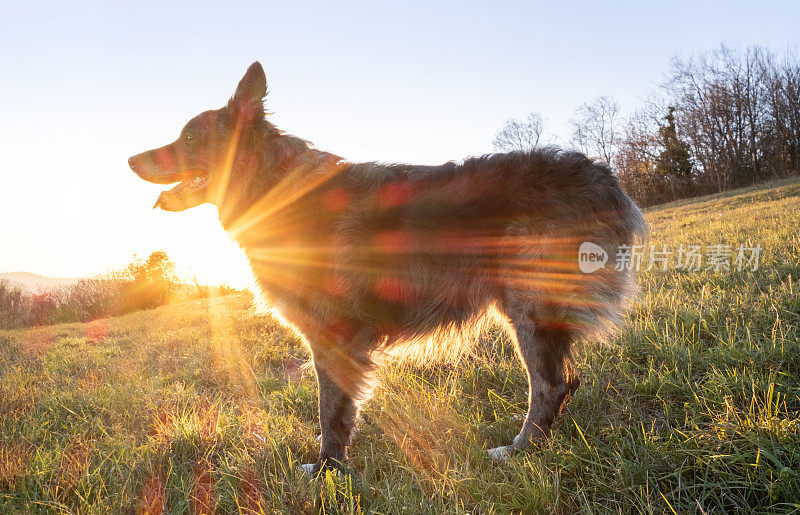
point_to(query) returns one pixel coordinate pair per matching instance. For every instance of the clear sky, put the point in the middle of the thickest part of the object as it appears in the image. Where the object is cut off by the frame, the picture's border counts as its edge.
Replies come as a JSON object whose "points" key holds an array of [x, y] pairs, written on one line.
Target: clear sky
{"points": [[84, 85]]}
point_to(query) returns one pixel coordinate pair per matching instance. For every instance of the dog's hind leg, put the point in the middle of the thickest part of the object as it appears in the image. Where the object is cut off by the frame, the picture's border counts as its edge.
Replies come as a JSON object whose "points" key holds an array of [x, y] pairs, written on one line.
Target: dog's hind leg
{"points": [[544, 349]]}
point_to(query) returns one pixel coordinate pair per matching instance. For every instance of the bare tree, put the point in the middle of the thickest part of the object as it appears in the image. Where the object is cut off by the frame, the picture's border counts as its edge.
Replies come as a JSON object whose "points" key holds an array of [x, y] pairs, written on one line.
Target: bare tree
{"points": [[519, 134], [638, 149], [595, 127], [782, 132], [723, 108]]}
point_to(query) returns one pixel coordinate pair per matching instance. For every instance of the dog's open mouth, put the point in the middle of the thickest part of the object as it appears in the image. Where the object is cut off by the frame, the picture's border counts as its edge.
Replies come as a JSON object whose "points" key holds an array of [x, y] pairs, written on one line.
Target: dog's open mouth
{"points": [[159, 166], [185, 194]]}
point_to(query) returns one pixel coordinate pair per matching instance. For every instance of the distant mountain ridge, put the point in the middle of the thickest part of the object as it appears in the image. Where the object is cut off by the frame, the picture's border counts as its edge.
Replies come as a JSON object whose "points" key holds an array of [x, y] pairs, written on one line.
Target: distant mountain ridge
{"points": [[36, 283]]}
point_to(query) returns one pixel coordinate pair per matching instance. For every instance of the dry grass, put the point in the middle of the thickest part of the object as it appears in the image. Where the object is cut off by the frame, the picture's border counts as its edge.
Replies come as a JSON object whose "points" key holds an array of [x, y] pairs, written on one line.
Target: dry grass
{"points": [[201, 406]]}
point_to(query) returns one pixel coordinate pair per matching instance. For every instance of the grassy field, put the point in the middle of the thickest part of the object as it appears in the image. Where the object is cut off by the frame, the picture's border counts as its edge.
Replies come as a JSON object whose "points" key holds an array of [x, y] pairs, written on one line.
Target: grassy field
{"points": [[204, 406]]}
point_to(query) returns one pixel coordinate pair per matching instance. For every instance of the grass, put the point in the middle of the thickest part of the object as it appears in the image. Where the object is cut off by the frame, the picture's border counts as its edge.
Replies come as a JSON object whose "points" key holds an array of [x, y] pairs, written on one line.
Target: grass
{"points": [[204, 406]]}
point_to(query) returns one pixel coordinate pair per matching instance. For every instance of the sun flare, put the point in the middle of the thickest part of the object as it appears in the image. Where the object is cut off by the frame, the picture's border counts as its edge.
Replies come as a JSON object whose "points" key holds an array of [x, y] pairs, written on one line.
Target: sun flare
{"points": [[202, 251]]}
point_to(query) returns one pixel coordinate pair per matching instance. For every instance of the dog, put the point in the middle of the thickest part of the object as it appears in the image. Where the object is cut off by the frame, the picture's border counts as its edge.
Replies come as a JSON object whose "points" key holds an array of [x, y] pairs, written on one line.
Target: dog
{"points": [[372, 261]]}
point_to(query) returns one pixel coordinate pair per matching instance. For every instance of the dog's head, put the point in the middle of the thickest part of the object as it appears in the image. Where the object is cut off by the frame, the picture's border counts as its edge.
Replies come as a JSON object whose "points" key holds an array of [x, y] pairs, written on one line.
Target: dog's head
{"points": [[221, 155]]}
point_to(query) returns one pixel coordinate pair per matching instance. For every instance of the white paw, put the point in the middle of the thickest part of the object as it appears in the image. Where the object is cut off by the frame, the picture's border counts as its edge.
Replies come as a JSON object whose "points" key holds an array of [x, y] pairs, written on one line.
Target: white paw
{"points": [[499, 453], [307, 468]]}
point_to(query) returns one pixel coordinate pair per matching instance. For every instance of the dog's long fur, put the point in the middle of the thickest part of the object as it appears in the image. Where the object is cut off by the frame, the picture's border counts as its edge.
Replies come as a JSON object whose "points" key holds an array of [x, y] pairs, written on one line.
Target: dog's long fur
{"points": [[371, 261]]}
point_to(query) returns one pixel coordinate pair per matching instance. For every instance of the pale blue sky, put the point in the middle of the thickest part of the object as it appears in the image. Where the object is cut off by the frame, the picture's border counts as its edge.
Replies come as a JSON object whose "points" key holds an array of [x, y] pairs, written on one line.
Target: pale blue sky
{"points": [[86, 84]]}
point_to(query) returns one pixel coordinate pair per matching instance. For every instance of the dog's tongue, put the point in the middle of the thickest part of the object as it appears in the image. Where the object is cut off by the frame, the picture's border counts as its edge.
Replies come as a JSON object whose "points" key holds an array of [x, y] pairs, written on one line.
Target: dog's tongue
{"points": [[184, 195], [160, 202]]}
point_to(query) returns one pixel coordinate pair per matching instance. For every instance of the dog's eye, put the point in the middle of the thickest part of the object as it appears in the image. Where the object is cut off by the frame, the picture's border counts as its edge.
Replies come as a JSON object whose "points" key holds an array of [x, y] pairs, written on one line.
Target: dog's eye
{"points": [[188, 137]]}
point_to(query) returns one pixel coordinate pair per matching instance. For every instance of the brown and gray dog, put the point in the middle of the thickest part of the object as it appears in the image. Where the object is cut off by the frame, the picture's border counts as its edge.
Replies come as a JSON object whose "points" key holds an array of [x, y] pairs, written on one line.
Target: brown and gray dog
{"points": [[374, 261]]}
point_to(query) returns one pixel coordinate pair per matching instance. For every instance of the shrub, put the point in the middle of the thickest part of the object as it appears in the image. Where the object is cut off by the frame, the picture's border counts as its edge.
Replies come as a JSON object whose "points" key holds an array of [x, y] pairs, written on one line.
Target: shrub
{"points": [[14, 306]]}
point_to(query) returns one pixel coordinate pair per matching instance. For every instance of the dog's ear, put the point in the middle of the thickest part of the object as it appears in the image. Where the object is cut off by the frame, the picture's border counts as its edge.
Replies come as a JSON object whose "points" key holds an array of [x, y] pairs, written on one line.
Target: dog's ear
{"points": [[250, 93]]}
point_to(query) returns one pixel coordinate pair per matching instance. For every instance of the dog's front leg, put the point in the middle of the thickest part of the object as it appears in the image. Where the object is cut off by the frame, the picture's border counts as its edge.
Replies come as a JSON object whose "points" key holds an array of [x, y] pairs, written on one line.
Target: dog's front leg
{"points": [[345, 382], [337, 417]]}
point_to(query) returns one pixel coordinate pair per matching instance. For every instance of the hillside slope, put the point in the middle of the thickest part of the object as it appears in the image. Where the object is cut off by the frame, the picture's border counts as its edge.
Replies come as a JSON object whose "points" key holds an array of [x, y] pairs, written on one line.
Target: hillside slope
{"points": [[36, 283], [695, 408]]}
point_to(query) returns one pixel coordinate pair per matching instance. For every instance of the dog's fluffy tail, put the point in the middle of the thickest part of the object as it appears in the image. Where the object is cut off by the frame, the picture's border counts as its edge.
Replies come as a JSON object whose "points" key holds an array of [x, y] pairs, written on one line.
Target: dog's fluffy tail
{"points": [[607, 294]]}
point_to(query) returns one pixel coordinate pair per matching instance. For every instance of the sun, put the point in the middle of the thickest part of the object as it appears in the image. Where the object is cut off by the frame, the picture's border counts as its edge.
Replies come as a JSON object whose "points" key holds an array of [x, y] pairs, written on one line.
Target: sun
{"points": [[204, 252]]}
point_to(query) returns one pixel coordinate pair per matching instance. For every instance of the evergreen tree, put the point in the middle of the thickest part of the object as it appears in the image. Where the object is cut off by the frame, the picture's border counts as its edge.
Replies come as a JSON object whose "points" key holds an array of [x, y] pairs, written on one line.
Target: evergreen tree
{"points": [[674, 163]]}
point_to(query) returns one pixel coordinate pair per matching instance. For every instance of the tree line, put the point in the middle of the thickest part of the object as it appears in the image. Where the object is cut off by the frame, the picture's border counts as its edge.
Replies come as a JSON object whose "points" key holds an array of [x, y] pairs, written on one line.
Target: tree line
{"points": [[726, 118]]}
